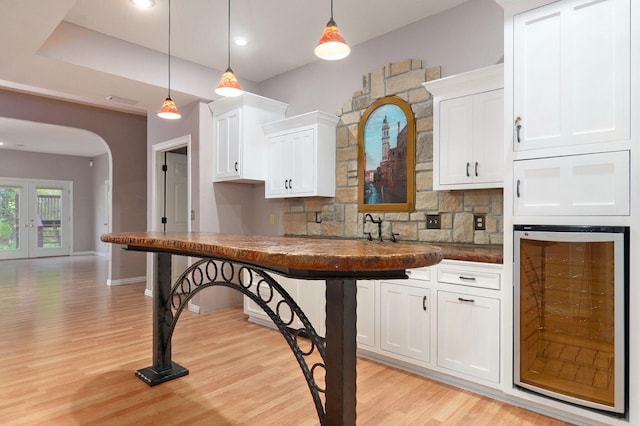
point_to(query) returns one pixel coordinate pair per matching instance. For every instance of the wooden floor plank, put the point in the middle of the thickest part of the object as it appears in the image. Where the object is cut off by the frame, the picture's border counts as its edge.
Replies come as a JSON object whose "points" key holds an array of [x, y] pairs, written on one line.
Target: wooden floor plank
{"points": [[69, 346]]}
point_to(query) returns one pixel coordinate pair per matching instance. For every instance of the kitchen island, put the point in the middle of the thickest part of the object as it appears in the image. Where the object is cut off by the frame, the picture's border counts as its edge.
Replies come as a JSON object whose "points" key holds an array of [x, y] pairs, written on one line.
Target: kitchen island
{"points": [[244, 263]]}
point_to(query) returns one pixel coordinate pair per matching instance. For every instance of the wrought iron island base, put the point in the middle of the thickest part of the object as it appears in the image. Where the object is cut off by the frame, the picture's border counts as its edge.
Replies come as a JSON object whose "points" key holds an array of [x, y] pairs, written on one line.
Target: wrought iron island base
{"points": [[241, 263]]}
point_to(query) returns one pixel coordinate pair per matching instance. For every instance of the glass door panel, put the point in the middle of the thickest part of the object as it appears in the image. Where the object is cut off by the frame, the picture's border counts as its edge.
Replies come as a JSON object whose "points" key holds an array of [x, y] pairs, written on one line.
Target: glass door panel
{"points": [[13, 223], [570, 334]]}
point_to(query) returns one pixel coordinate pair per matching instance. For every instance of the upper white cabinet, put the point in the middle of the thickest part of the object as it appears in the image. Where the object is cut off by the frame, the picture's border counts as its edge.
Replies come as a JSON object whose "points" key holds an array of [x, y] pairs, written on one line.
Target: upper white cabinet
{"points": [[571, 74], [301, 156], [240, 147], [468, 129], [588, 184]]}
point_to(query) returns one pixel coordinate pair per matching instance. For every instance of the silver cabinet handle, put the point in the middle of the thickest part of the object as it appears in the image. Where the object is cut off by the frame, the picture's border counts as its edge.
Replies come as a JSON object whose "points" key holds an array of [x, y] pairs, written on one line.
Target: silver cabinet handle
{"points": [[235, 166], [476, 169], [518, 188], [462, 277], [518, 127], [424, 303], [466, 300], [468, 170], [286, 184]]}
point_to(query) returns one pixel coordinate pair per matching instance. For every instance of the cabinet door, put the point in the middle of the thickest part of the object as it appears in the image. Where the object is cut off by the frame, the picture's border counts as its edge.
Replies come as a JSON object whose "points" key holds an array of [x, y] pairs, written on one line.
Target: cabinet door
{"points": [[469, 335], [456, 140], [278, 157], [572, 74], [227, 142], [590, 184], [405, 320], [488, 143], [302, 167], [366, 313]]}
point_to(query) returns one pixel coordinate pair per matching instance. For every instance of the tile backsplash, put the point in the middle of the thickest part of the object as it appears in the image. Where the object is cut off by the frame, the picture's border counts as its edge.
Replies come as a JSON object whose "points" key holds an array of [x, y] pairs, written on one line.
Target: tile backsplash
{"points": [[339, 217]]}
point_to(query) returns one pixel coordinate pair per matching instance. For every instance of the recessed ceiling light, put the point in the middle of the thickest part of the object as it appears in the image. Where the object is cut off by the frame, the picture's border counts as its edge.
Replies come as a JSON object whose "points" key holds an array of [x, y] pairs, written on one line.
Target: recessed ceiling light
{"points": [[1, 143], [241, 41], [143, 4]]}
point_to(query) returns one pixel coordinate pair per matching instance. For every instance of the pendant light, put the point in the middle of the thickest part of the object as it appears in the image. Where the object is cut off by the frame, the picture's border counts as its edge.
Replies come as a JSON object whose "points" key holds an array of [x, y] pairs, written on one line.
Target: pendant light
{"points": [[169, 110], [332, 45], [228, 84]]}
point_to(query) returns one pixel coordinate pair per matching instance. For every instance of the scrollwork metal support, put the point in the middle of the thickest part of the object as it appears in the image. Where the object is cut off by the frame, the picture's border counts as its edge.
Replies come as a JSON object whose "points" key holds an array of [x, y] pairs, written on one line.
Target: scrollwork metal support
{"points": [[170, 301]]}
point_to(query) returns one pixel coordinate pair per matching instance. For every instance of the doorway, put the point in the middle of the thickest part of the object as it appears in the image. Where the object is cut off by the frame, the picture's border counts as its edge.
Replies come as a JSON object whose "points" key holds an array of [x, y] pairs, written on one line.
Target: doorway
{"points": [[35, 218], [171, 196]]}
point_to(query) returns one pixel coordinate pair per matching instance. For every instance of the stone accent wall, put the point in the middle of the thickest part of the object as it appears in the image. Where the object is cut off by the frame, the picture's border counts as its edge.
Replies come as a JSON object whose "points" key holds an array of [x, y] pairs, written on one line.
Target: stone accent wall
{"points": [[339, 216]]}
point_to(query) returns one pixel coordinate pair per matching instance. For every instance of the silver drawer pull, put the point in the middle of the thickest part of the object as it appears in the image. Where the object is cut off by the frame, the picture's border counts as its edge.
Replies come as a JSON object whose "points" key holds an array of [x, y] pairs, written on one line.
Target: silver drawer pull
{"points": [[466, 300], [467, 278]]}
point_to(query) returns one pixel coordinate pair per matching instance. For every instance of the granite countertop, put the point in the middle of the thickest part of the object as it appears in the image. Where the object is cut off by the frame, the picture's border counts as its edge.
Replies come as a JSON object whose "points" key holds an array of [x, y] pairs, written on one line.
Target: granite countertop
{"points": [[349, 257], [472, 252]]}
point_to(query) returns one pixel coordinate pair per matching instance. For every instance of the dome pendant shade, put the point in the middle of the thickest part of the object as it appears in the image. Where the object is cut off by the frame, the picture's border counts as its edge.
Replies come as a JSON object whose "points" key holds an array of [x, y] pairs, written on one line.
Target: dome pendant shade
{"points": [[332, 45], [228, 84], [169, 110]]}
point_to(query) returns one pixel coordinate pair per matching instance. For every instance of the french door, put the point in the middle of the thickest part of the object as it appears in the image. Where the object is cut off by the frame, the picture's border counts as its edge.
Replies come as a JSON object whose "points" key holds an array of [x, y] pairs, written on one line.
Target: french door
{"points": [[35, 218]]}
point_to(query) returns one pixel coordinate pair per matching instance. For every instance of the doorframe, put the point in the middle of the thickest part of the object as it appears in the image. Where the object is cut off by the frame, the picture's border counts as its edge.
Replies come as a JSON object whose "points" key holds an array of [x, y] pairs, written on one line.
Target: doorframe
{"points": [[157, 159]]}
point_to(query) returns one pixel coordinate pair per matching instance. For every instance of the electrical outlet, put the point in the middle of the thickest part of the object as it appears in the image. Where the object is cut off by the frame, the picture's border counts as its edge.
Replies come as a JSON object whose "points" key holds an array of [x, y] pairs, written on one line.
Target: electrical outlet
{"points": [[433, 221], [479, 222]]}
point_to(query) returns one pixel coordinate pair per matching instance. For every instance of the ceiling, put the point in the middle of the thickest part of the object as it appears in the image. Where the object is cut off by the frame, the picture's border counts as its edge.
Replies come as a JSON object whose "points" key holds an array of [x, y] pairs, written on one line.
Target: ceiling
{"points": [[111, 54]]}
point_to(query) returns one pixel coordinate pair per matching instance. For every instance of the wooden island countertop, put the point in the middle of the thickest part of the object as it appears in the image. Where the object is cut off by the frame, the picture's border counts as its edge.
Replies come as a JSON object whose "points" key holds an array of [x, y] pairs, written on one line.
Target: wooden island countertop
{"points": [[288, 254]]}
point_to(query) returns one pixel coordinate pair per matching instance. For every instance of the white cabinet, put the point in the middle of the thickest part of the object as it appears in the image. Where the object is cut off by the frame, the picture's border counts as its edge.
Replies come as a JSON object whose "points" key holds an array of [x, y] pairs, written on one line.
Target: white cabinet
{"points": [[589, 184], [468, 129], [469, 335], [571, 74], [240, 147], [366, 313], [308, 294], [301, 156], [405, 319]]}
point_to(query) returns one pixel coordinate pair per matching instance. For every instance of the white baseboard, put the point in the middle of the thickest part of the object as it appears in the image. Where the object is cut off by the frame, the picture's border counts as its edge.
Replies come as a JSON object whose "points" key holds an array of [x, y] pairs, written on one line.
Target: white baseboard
{"points": [[127, 280], [148, 292], [88, 253]]}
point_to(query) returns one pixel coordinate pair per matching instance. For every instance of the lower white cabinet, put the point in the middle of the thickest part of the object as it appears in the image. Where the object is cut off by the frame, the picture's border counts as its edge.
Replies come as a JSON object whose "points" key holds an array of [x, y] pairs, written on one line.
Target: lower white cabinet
{"points": [[469, 334], [405, 319], [444, 319]]}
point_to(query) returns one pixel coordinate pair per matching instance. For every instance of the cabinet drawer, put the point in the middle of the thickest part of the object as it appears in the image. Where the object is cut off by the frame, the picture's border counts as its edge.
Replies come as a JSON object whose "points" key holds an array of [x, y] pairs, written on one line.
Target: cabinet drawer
{"points": [[469, 278]]}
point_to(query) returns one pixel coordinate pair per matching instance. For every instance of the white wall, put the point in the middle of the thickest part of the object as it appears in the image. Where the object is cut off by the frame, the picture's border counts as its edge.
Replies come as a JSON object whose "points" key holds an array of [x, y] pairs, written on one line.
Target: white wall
{"points": [[460, 39]]}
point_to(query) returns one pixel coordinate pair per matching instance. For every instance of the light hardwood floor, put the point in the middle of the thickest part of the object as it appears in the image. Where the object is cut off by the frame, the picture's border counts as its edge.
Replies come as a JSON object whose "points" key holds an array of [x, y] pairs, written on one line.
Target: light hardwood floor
{"points": [[69, 345]]}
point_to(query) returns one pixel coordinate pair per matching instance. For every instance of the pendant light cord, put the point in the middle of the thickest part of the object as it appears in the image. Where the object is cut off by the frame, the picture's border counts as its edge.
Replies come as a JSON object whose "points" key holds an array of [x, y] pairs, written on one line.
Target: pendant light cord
{"points": [[229, 36], [331, 10], [169, 53]]}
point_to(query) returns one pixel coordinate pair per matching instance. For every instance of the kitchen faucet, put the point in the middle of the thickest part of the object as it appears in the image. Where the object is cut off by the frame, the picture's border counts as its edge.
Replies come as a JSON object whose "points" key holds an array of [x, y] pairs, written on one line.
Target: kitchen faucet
{"points": [[378, 222]]}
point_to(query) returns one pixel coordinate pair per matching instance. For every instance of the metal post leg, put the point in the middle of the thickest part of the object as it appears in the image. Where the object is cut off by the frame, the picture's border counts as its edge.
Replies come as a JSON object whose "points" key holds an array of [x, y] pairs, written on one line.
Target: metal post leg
{"points": [[163, 369], [340, 402]]}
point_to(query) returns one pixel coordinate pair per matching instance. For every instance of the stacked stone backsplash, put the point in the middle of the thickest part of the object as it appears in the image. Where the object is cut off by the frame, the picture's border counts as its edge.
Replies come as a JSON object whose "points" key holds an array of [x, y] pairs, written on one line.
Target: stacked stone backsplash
{"points": [[339, 217]]}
